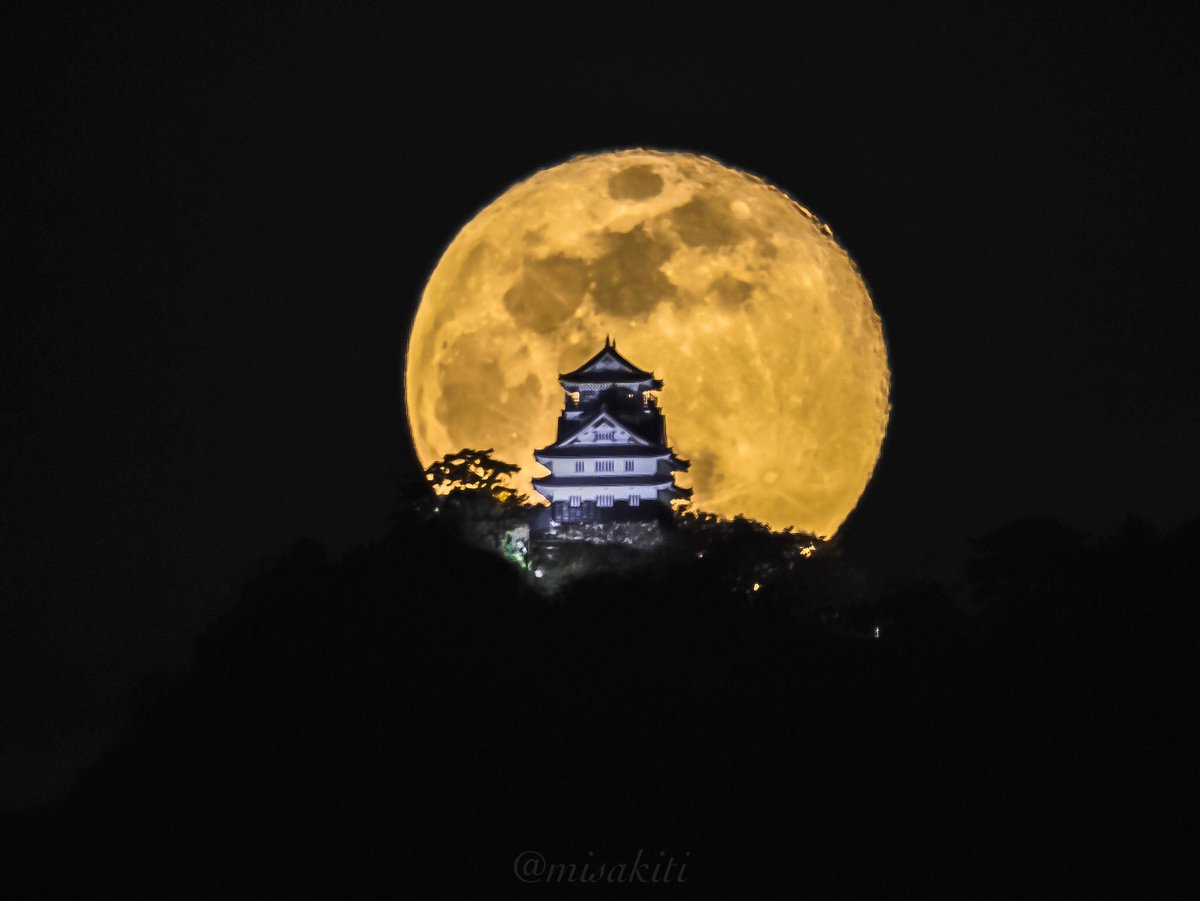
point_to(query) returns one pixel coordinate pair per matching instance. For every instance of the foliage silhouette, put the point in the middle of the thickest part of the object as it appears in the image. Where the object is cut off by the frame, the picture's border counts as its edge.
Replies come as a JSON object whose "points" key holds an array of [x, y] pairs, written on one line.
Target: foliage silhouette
{"points": [[474, 470]]}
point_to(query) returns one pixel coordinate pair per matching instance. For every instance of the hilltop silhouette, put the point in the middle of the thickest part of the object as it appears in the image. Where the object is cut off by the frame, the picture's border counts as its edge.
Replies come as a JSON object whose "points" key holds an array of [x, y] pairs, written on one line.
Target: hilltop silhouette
{"points": [[410, 718]]}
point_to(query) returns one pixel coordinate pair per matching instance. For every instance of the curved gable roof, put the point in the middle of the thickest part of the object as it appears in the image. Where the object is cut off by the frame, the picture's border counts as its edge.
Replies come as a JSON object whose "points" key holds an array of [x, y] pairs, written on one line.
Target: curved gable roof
{"points": [[604, 417], [605, 367]]}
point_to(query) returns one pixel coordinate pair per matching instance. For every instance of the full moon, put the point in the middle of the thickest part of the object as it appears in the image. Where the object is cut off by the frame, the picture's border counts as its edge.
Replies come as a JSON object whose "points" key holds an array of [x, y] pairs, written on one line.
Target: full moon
{"points": [[758, 322]]}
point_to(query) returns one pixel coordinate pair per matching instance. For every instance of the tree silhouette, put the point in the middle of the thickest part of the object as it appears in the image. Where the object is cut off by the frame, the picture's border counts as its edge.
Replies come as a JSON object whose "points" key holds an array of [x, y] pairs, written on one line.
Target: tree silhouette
{"points": [[473, 470], [474, 494]]}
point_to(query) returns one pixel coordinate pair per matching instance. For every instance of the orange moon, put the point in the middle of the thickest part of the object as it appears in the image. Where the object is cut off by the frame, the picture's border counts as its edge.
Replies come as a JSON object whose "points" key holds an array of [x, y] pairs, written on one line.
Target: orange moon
{"points": [[738, 298]]}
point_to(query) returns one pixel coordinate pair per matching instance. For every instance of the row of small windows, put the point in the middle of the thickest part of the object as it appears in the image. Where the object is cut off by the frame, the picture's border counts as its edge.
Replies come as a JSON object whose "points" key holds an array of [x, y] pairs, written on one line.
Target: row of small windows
{"points": [[606, 500], [604, 466]]}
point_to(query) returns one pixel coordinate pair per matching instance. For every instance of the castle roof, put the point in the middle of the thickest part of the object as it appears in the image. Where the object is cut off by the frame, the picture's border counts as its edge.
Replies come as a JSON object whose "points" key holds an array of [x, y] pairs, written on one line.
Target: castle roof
{"points": [[647, 429], [607, 367]]}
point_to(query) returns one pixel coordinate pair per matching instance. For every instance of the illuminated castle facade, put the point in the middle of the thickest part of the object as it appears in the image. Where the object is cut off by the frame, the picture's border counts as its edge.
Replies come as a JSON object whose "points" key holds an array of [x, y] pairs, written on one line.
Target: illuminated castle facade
{"points": [[610, 461]]}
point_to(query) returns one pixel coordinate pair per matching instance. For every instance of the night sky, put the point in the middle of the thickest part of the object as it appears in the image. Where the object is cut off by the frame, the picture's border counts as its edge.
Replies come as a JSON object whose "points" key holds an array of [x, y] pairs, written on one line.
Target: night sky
{"points": [[217, 227]]}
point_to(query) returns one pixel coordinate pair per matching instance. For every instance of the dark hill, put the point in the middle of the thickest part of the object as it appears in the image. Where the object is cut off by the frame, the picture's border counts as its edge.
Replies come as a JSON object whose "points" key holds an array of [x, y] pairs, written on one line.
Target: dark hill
{"points": [[407, 721]]}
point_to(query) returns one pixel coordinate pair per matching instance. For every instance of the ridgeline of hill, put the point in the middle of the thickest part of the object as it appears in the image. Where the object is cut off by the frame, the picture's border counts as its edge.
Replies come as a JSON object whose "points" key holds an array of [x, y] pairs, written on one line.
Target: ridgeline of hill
{"points": [[409, 719]]}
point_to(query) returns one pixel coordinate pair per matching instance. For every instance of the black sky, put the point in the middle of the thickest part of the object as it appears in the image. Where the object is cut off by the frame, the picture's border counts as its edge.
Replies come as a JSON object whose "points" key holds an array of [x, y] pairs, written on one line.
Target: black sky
{"points": [[217, 225]]}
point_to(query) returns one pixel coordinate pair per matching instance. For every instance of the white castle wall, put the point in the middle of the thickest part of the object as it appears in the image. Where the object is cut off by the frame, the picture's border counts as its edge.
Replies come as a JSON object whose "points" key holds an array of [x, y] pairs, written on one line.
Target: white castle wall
{"points": [[595, 493], [565, 466]]}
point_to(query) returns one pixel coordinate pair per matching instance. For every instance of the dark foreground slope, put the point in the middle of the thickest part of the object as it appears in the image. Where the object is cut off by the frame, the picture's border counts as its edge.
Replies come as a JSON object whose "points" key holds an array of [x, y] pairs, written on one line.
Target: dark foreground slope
{"points": [[410, 720]]}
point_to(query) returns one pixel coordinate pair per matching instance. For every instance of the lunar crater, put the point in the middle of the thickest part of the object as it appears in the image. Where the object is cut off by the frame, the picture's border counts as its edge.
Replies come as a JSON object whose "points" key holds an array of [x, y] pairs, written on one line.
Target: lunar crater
{"points": [[628, 278], [547, 293], [732, 291], [705, 221], [635, 183]]}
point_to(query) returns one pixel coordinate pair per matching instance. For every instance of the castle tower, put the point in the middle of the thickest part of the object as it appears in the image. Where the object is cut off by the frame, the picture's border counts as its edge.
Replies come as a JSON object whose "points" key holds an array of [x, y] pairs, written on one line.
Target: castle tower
{"points": [[610, 461]]}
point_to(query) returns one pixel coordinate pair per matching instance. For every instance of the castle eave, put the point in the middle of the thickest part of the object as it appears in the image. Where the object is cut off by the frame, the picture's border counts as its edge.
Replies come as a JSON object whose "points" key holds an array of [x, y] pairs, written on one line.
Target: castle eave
{"points": [[608, 378], [589, 451], [601, 481]]}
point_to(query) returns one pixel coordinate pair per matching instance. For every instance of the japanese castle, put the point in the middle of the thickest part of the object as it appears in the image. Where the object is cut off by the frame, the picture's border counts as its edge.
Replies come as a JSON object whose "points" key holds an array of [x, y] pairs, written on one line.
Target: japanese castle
{"points": [[610, 462]]}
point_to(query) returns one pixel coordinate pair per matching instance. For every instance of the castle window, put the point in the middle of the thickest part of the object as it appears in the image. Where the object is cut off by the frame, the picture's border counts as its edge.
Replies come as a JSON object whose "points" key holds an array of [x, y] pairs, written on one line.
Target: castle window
{"points": [[604, 500], [629, 466], [576, 500], [579, 466], [607, 435], [604, 466], [634, 500]]}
